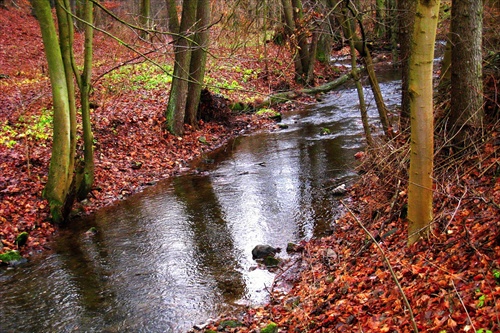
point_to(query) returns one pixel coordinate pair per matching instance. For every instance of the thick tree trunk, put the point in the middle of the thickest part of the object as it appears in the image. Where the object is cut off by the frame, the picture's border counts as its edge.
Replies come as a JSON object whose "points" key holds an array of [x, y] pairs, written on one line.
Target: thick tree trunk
{"points": [[406, 10], [173, 17], [422, 120], [198, 61], [60, 172], [176, 108], [466, 69], [66, 33]]}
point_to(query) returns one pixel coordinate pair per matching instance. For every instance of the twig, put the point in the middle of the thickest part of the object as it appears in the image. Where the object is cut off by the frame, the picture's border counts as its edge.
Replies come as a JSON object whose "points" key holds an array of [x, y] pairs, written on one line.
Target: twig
{"points": [[405, 299], [465, 308], [456, 209]]}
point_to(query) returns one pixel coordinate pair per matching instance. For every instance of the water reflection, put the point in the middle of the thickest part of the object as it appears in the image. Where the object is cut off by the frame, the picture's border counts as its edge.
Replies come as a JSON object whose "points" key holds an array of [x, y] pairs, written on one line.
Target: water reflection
{"points": [[180, 252]]}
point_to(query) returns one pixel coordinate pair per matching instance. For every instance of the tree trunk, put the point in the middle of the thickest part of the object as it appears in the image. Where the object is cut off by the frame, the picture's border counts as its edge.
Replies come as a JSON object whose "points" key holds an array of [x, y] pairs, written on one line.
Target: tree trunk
{"points": [[422, 120], [60, 172], [346, 21], [176, 108], [312, 55], [145, 17], [198, 61], [380, 18], [466, 70], [372, 77], [173, 17], [88, 138], [377, 94], [406, 10], [290, 30], [303, 48]]}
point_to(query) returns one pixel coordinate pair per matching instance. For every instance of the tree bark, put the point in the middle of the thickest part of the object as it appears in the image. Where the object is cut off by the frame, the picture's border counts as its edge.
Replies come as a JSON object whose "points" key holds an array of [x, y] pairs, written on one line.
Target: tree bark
{"points": [[145, 19], [422, 120], [173, 17], [303, 48], [88, 138], [466, 70], [406, 10], [290, 30], [60, 172], [198, 62], [346, 19], [176, 108]]}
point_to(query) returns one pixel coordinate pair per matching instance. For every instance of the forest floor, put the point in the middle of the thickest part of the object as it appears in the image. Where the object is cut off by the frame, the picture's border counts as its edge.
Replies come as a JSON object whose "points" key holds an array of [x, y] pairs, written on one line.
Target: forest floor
{"points": [[340, 283]]}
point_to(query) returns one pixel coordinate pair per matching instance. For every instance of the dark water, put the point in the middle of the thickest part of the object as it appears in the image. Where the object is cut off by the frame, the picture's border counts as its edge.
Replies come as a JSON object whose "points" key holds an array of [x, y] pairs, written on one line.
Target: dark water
{"points": [[180, 252]]}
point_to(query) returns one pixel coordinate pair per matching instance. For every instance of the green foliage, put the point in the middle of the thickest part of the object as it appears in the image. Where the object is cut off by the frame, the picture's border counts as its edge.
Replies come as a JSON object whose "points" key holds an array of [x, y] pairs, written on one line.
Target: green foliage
{"points": [[325, 131], [139, 76], [7, 135], [217, 85], [496, 274], [481, 301], [484, 330], [271, 328], [40, 127], [35, 127]]}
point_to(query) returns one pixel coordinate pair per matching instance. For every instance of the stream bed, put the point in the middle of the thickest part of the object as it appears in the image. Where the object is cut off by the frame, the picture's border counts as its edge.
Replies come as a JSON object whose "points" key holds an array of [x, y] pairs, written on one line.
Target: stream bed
{"points": [[180, 252]]}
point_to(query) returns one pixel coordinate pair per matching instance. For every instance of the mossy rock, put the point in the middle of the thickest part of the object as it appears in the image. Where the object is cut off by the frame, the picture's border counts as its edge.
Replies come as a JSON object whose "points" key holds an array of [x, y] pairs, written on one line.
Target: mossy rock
{"points": [[12, 257], [229, 323], [22, 238], [271, 328], [271, 261]]}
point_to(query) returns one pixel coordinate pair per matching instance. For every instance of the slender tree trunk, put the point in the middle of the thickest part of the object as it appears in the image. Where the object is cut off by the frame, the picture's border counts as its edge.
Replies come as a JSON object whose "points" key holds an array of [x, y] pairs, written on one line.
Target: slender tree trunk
{"points": [[198, 61], [422, 120], [145, 18], [88, 138], [60, 172], [303, 48], [176, 108], [355, 75], [312, 55], [466, 70], [290, 30], [377, 94], [380, 20], [372, 77]]}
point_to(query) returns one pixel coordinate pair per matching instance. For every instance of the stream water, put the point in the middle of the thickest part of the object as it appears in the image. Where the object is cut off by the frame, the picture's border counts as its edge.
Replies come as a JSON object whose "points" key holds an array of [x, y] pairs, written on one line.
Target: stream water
{"points": [[180, 252]]}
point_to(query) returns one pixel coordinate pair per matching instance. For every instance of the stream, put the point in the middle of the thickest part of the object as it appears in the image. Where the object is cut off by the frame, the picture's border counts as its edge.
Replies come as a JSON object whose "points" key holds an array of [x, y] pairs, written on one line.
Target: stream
{"points": [[179, 253]]}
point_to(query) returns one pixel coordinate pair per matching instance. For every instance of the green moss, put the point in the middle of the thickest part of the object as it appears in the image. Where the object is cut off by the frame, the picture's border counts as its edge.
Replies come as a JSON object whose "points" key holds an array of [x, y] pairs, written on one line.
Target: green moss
{"points": [[10, 256], [271, 261], [229, 323], [271, 328]]}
